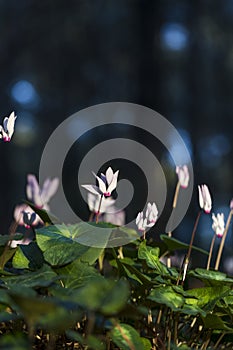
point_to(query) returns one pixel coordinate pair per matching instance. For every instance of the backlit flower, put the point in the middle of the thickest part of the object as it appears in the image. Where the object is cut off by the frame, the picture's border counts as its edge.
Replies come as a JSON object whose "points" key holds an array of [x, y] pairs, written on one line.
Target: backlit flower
{"points": [[106, 183], [205, 200], [93, 201], [41, 197], [150, 217], [28, 219], [218, 224], [231, 204], [23, 213], [141, 222], [7, 129], [183, 175], [19, 216], [152, 213]]}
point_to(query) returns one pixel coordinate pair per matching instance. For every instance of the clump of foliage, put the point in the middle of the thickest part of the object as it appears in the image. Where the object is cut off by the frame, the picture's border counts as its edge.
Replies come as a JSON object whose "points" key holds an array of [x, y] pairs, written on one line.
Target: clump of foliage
{"points": [[58, 294]]}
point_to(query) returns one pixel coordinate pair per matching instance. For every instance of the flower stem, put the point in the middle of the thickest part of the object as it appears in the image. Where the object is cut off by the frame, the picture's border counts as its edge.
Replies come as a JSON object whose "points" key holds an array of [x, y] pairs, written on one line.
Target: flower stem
{"points": [[219, 340], [174, 204], [91, 217], [98, 212], [223, 240], [210, 252], [187, 258], [176, 195], [193, 235], [144, 235]]}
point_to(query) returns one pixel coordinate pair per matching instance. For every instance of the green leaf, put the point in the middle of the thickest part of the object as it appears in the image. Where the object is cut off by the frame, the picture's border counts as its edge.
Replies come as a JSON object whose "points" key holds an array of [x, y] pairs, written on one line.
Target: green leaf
{"points": [[8, 316], [207, 297], [215, 322], [59, 246], [146, 343], [77, 274], [58, 318], [19, 260], [14, 342], [91, 341], [6, 238], [32, 307], [151, 255], [175, 244], [192, 310], [6, 255], [94, 343], [28, 256], [103, 234], [40, 278], [134, 273], [214, 277], [105, 296], [126, 337], [4, 297], [167, 296]]}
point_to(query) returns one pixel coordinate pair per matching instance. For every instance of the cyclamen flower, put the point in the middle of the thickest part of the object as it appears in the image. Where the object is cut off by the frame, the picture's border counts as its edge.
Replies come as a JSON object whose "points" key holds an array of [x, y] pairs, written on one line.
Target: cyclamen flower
{"points": [[19, 216], [28, 218], [93, 201], [231, 205], [205, 200], [183, 175], [24, 214], [152, 213], [7, 130], [41, 197], [107, 183], [150, 217], [218, 224]]}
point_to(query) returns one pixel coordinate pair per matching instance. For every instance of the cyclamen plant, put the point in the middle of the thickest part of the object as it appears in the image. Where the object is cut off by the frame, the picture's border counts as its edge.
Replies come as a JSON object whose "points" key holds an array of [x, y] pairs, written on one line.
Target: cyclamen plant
{"points": [[57, 293]]}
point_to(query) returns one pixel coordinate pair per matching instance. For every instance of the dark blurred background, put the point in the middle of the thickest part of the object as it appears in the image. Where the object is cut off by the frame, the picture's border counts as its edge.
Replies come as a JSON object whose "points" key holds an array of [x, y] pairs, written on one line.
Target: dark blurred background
{"points": [[176, 57]]}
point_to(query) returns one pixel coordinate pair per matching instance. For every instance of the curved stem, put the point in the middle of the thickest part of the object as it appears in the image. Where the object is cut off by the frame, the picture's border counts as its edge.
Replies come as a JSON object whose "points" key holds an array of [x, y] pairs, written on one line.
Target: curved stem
{"points": [[210, 252], [91, 216], [176, 195], [98, 212], [187, 258], [174, 204], [193, 235]]}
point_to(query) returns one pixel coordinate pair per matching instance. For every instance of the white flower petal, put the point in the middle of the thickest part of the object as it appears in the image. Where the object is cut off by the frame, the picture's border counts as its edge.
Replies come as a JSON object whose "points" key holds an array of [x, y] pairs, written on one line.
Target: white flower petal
{"points": [[139, 217], [11, 124], [109, 175], [102, 185], [113, 183], [5, 122], [201, 200], [33, 190], [183, 175], [49, 189], [92, 188], [148, 210]]}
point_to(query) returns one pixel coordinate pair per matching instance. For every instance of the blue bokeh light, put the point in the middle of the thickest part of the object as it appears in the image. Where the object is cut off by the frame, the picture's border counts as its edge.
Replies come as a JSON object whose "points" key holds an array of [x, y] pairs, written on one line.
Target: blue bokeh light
{"points": [[174, 36], [212, 149], [24, 92]]}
